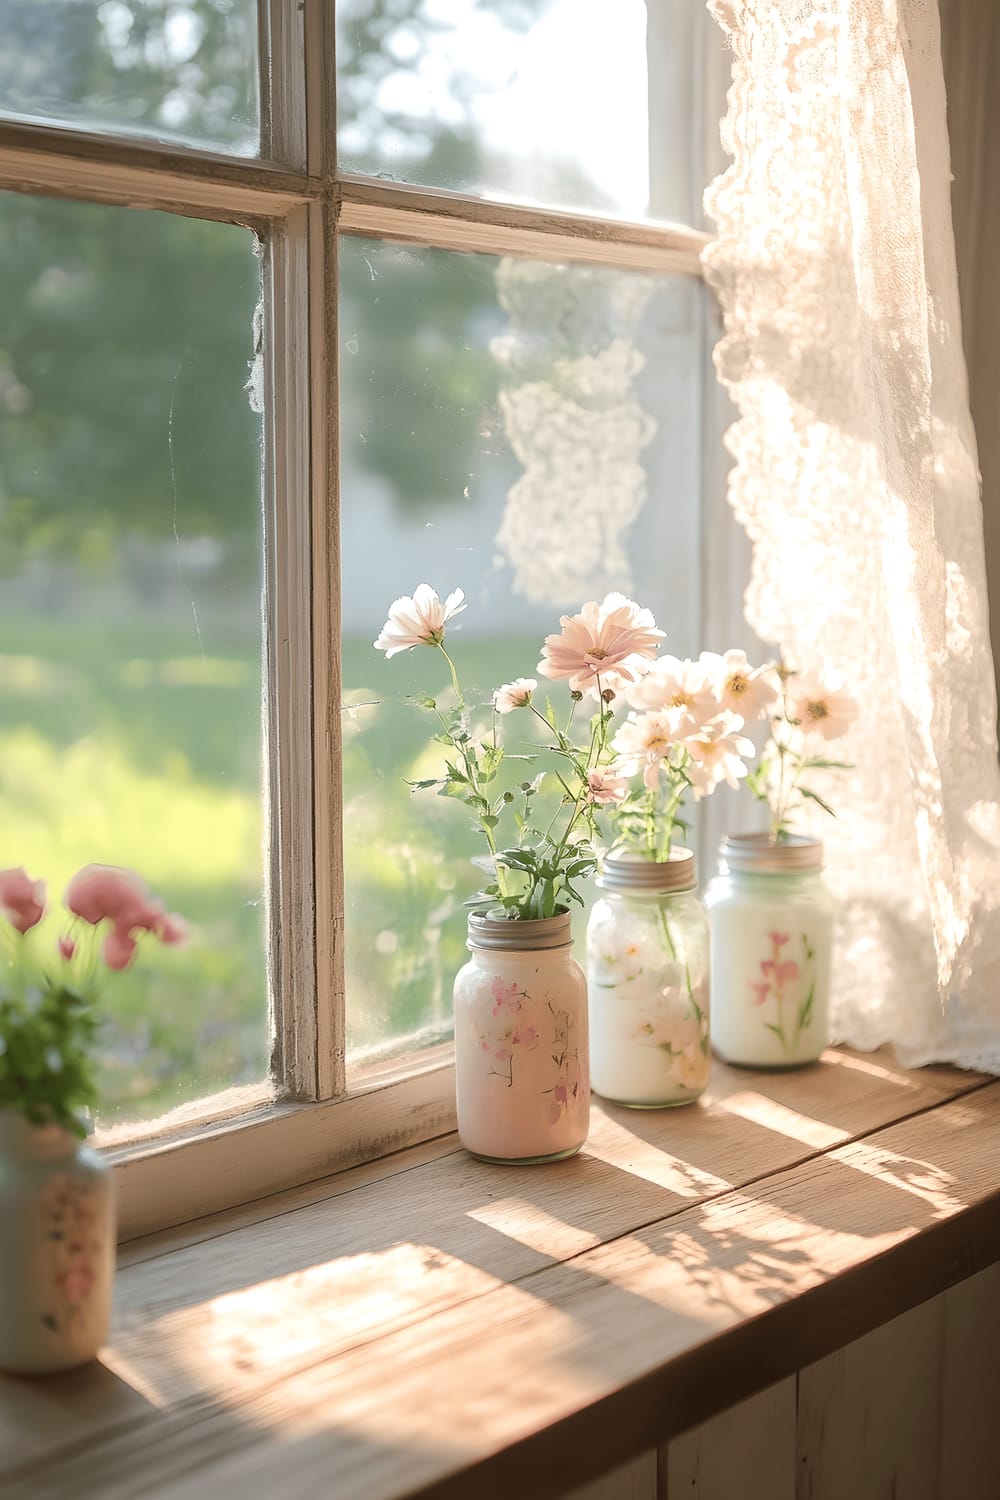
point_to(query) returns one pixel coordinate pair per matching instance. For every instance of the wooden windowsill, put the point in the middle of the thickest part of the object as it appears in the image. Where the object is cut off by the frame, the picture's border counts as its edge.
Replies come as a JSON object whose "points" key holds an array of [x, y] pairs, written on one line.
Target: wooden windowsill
{"points": [[431, 1326]]}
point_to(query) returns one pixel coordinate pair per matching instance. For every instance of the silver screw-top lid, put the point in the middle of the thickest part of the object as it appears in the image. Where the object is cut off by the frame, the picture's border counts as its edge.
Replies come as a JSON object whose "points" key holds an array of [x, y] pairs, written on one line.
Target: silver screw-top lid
{"points": [[632, 871], [756, 853], [493, 930]]}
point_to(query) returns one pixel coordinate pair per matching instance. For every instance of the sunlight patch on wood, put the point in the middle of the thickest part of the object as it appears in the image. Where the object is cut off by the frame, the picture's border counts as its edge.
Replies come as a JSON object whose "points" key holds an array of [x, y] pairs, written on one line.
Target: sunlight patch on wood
{"points": [[778, 1117]]}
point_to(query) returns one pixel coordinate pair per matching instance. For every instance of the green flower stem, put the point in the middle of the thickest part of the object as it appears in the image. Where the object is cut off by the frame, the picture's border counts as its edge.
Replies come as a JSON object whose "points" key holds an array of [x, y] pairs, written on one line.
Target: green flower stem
{"points": [[471, 768]]}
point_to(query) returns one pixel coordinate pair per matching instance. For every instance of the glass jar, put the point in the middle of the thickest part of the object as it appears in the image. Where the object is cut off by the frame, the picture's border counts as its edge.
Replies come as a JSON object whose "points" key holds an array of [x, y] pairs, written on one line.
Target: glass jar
{"points": [[647, 973], [57, 1247], [521, 1066], [771, 919]]}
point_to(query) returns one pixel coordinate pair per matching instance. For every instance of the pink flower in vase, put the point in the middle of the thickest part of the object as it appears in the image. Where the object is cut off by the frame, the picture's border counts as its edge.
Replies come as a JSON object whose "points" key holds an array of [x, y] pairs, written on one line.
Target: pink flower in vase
{"points": [[22, 900], [761, 990], [779, 939]]}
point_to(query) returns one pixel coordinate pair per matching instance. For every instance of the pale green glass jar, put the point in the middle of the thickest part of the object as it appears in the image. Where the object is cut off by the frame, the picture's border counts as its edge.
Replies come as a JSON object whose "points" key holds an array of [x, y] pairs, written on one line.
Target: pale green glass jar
{"points": [[771, 918], [647, 981]]}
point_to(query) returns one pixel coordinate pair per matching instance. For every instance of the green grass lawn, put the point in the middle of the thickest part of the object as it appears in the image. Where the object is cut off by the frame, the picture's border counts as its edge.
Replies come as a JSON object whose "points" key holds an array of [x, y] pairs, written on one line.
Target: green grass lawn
{"points": [[120, 745]]}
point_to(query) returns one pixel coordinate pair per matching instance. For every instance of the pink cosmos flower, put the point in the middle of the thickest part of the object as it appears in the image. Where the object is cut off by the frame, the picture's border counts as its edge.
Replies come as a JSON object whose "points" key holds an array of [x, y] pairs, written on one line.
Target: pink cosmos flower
{"points": [[716, 755], [603, 648], [740, 688], [685, 686], [516, 694], [22, 900], [67, 947], [605, 787], [418, 621], [820, 706]]}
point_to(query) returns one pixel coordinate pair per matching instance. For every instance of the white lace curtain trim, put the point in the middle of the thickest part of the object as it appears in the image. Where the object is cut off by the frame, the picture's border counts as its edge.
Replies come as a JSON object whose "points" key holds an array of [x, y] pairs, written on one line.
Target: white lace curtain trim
{"points": [[855, 477]]}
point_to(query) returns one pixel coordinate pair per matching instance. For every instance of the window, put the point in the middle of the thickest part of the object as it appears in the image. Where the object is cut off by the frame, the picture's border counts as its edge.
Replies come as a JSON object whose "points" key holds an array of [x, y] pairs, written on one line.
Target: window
{"points": [[479, 352]]}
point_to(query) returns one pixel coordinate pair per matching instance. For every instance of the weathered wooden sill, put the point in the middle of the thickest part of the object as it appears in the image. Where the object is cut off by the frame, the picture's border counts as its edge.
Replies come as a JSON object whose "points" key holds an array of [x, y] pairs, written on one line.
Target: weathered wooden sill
{"points": [[430, 1326]]}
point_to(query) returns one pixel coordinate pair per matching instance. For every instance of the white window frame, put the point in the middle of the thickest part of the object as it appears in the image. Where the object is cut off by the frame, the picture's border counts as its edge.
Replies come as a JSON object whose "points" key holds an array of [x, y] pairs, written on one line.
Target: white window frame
{"points": [[250, 1142]]}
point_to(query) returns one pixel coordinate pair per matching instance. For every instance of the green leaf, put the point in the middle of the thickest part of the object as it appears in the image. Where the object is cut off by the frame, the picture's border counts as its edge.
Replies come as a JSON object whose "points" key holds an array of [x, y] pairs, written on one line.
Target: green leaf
{"points": [[815, 797], [420, 786]]}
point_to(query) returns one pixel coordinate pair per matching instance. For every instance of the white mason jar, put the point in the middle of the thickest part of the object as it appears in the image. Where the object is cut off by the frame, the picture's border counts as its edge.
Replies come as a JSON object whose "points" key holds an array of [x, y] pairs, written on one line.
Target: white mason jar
{"points": [[647, 973], [521, 1066], [771, 919]]}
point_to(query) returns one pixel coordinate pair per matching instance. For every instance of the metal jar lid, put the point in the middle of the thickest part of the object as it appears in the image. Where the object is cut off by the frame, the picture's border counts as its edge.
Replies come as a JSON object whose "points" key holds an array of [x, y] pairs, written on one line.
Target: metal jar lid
{"points": [[756, 854], [492, 930], [633, 872]]}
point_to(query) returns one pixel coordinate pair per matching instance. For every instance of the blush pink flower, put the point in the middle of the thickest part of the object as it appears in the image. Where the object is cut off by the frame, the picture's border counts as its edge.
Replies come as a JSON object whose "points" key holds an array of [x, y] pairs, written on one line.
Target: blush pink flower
{"points": [[787, 971], [77, 1281], [22, 900], [820, 706], [603, 648], [740, 688], [717, 754], [525, 1036], [779, 939], [418, 620], [605, 787], [516, 694], [683, 686], [761, 989], [644, 741], [101, 893]]}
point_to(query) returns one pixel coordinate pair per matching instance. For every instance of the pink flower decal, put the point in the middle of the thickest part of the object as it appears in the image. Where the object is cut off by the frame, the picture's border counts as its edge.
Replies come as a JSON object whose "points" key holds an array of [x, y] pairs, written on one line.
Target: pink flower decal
{"points": [[22, 900], [525, 1036], [786, 972], [77, 1280], [761, 989], [505, 996], [779, 939], [502, 1052]]}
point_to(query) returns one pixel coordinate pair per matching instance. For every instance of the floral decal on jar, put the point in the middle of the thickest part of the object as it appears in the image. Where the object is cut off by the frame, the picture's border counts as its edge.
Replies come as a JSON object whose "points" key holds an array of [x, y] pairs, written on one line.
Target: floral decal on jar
{"points": [[681, 1032], [570, 1083], [74, 1250], [513, 1034], [781, 977]]}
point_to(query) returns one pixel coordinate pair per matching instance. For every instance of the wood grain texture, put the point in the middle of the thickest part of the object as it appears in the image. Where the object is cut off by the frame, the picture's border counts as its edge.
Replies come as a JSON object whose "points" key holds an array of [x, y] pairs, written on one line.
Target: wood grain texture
{"points": [[469, 1331], [748, 1451], [869, 1416], [970, 1389]]}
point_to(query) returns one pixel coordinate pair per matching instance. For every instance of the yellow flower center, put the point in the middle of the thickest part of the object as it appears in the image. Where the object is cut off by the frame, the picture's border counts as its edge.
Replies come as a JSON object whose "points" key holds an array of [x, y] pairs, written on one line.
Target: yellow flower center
{"points": [[817, 710], [737, 685]]}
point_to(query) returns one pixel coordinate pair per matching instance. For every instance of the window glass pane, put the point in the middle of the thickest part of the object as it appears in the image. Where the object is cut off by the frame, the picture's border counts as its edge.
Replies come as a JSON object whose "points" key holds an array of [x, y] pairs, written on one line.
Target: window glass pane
{"points": [[130, 664], [531, 434], [181, 70], [568, 103]]}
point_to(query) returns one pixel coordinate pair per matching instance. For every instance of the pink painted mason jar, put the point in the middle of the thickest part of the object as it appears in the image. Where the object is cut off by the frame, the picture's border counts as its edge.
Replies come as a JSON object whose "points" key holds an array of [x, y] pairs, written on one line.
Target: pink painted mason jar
{"points": [[521, 1070]]}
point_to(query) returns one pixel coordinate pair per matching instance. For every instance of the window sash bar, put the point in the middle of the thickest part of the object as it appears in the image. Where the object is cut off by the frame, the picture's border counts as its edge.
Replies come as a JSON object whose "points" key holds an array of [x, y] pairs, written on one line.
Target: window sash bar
{"points": [[455, 221]]}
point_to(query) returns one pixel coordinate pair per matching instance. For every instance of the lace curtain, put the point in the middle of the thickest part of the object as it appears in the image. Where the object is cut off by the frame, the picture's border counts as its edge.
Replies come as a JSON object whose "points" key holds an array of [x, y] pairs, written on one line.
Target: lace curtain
{"points": [[855, 477]]}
